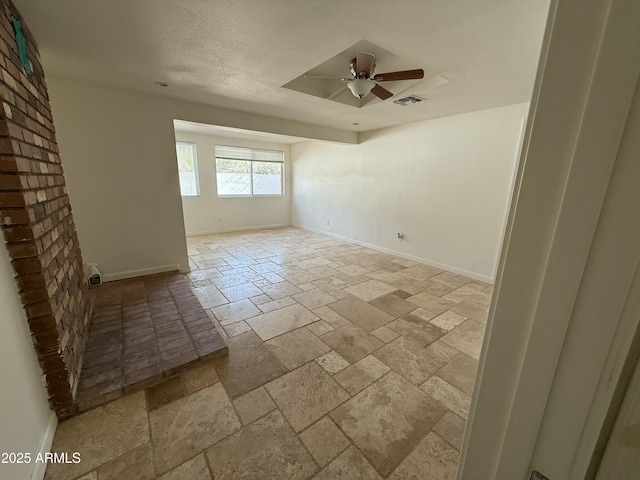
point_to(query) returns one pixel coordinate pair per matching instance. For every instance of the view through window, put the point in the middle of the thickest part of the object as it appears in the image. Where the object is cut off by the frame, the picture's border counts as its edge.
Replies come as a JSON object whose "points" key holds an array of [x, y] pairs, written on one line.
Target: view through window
{"points": [[242, 171], [187, 169]]}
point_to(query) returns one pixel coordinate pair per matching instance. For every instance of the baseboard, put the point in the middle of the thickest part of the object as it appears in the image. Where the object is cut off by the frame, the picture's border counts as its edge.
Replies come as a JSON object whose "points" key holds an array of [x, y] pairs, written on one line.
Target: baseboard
{"points": [[426, 261], [45, 446], [237, 229], [111, 277]]}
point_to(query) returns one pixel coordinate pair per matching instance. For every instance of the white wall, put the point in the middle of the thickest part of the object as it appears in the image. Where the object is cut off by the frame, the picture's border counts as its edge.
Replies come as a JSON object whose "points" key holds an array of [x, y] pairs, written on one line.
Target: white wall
{"points": [[443, 183], [209, 213], [26, 422], [118, 152]]}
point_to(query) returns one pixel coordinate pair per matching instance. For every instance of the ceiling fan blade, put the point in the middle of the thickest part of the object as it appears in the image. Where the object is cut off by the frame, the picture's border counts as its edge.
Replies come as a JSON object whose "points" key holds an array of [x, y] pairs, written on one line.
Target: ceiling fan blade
{"points": [[381, 92], [337, 93], [333, 77], [404, 75], [365, 62]]}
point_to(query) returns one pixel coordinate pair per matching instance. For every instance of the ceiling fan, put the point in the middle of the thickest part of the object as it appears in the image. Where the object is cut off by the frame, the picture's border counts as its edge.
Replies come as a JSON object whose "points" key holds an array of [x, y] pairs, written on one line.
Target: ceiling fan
{"points": [[363, 80]]}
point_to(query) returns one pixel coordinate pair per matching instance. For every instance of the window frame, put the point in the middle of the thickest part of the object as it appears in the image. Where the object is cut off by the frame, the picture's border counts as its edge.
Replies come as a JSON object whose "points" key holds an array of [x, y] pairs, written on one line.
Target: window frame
{"points": [[195, 167], [251, 162]]}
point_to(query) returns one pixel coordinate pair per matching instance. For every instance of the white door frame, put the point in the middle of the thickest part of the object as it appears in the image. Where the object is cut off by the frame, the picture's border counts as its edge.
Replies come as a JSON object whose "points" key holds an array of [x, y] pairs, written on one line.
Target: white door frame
{"points": [[588, 72]]}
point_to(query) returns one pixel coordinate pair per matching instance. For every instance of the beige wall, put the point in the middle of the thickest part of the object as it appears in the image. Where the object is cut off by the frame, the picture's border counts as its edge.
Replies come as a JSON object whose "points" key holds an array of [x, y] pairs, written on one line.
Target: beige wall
{"points": [[27, 423], [208, 213], [118, 151], [443, 183]]}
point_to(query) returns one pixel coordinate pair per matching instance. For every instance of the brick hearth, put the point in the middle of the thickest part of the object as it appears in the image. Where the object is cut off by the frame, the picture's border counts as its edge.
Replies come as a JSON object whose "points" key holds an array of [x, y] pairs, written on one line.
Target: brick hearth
{"points": [[142, 331]]}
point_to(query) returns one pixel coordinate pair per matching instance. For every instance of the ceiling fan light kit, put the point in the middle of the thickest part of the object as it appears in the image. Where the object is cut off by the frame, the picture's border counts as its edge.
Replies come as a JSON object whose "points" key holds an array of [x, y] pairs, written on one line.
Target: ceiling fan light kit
{"points": [[360, 87]]}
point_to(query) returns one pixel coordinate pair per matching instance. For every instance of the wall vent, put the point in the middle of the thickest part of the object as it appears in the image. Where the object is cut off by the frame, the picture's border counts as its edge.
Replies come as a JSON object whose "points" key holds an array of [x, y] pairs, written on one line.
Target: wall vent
{"points": [[410, 100]]}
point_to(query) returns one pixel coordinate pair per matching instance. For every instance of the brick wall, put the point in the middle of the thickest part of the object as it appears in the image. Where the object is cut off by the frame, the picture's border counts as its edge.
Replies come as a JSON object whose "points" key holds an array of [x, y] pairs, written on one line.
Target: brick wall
{"points": [[36, 219]]}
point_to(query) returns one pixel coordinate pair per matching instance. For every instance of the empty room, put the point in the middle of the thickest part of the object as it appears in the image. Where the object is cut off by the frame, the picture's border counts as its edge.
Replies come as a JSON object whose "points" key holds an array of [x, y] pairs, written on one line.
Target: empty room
{"points": [[317, 240]]}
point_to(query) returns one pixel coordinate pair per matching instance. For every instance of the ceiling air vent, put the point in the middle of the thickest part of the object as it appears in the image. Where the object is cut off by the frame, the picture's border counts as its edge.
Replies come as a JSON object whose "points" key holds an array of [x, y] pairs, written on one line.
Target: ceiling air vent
{"points": [[410, 100]]}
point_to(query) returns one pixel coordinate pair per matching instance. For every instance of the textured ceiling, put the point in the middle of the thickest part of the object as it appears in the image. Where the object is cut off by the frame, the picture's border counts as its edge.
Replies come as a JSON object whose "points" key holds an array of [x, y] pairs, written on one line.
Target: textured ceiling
{"points": [[238, 53]]}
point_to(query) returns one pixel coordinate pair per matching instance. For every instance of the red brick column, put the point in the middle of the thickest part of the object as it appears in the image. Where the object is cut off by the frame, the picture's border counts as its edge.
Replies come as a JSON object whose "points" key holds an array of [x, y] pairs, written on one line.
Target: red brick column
{"points": [[35, 216]]}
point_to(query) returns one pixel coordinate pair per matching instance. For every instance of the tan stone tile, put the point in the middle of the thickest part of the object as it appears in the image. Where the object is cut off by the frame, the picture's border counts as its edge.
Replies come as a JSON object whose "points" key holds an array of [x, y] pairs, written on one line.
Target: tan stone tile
{"points": [[266, 267], [134, 465], [165, 392], [433, 459], [272, 277], [412, 361], [272, 324], [197, 378], [248, 365], [423, 314], [339, 294], [237, 328], [467, 338], [323, 271], [281, 289], [306, 394], [183, 428], [476, 312], [416, 329], [353, 270], [451, 280], [332, 362], [369, 290], [89, 476], [361, 374], [385, 334], [351, 465], [210, 296], [436, 288], [260, 299], [265, 450], [100, 436], [431, 302], [194, 469], [297, 347], [393, 305], [234, 312], [448, 320], [469, 294], [454, 399], [305, 287], [240, 292], [313, 299], [451, 428], [330, 284], [361, 313], [351, 342], [387, 420], [320, 327], [276, 304], [478, 285], [420, 271], [332, 318], [206, 274], [324, 441], [460, 372], [253, 405]]}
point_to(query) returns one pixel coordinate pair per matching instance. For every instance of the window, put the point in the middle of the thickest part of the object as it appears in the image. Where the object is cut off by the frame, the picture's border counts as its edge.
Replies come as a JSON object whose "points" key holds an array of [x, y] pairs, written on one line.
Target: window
{"points": [[187, 169], [248, 171]]}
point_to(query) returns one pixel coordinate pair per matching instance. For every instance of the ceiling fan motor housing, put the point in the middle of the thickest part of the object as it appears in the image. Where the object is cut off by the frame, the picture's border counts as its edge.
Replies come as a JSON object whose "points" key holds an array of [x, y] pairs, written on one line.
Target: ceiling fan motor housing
{"points": [[356, 74]]}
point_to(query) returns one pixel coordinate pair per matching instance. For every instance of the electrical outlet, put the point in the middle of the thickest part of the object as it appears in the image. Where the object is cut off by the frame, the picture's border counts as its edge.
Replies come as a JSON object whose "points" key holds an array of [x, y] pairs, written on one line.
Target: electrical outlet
{"points": [[328, 222]]}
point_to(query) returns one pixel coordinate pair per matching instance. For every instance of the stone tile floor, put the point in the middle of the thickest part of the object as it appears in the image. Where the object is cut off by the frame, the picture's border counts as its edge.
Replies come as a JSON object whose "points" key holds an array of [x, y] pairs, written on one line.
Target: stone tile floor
{"points": [[143, 330], [344, 363]]}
